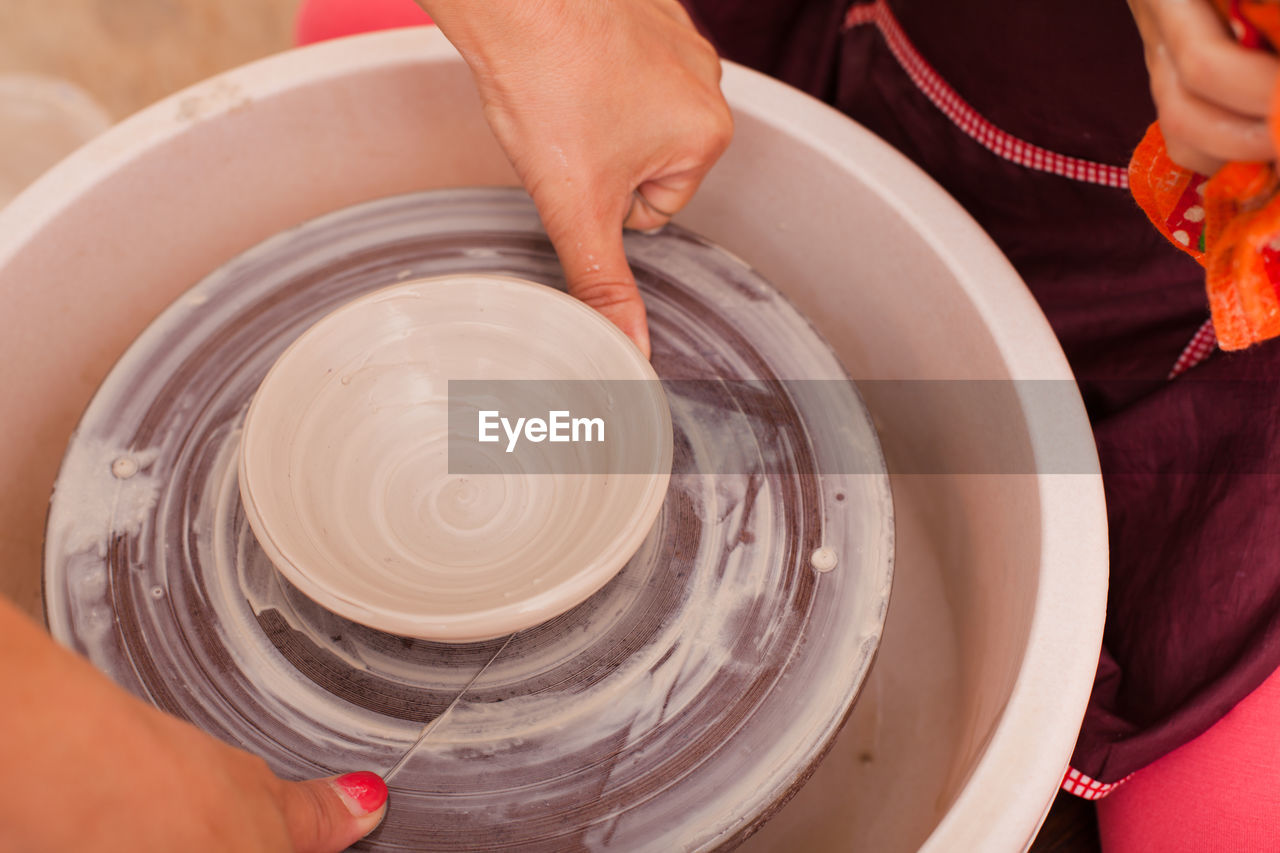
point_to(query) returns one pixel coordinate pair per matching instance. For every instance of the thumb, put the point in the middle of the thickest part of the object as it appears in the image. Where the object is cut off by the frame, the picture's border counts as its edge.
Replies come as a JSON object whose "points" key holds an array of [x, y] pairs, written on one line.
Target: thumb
{"points": [[589, 245], [329, 815]]}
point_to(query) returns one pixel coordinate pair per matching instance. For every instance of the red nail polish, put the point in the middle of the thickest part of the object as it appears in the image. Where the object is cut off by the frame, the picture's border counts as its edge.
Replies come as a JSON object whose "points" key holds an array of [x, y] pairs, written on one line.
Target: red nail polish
{"points": [[366, 789]]}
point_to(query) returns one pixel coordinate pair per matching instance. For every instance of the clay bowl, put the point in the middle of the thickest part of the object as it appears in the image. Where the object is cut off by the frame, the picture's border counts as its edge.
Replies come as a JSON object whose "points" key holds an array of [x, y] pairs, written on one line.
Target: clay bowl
{"points": [[347, 478]]}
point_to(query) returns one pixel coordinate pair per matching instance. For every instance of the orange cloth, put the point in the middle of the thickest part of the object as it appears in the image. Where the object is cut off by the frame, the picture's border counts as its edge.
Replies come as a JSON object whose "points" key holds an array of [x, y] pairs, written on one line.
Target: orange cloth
{"points": [[1229, 222]]}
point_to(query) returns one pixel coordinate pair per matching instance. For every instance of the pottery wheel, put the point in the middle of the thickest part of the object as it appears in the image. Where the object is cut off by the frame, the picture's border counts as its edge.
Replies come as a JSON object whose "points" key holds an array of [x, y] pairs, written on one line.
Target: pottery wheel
{"points": [[676, 709]]}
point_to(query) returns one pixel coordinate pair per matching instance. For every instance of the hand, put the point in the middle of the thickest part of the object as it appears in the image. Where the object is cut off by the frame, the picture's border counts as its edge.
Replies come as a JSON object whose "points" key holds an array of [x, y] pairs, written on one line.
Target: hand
{"points": [[91, 768], [1212, 95], [611, 113]]}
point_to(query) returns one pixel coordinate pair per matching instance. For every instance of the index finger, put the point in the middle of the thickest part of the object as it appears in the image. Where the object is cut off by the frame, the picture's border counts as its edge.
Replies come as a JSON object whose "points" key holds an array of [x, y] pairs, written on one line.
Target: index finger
{"points": [[588, 240]]}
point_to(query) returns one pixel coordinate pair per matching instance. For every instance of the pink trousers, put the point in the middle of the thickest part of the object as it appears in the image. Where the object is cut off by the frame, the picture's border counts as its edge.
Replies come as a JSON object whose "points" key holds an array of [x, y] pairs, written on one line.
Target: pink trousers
{"points": [[1220, 793], [319, 20]]}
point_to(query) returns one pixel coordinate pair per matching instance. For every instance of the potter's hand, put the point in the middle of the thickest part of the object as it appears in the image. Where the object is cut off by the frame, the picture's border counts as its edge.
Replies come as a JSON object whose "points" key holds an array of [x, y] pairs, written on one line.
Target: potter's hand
{"points": [[1212, 95], [91, 768], [594, 102]]}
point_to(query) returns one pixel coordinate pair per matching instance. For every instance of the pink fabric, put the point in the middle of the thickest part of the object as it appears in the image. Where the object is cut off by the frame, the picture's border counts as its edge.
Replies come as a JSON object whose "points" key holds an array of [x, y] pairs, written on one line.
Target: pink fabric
{"points": [[319, 20], [1220, 793]]}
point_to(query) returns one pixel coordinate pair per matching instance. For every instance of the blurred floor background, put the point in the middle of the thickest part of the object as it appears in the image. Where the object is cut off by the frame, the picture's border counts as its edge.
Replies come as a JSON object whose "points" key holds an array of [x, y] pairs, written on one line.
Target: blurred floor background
{"points": [[129, 53]]}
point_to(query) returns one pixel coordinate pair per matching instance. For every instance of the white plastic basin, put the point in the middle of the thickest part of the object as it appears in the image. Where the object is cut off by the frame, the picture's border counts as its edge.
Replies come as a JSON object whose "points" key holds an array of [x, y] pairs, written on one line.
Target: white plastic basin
{"points": [[969, 716]]}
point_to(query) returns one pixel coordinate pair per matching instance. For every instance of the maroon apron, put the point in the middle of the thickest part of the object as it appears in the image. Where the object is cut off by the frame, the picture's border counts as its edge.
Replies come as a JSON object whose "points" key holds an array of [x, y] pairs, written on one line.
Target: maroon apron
{"points": [[1027, 114]]}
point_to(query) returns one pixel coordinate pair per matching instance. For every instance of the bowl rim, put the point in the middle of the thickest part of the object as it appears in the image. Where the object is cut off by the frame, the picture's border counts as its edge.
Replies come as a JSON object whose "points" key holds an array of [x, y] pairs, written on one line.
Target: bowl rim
{"points": [[1013, 771], [490, 623]]}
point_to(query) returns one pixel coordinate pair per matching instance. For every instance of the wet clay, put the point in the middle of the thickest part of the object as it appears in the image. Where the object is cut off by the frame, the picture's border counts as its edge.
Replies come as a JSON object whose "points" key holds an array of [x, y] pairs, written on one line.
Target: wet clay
{"points": [[675, 709], [348, 482]]}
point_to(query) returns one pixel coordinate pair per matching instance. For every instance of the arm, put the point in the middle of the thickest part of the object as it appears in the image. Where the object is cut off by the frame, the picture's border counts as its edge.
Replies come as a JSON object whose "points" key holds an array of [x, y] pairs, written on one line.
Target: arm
{"points": [[611, 113], [93, 768]]}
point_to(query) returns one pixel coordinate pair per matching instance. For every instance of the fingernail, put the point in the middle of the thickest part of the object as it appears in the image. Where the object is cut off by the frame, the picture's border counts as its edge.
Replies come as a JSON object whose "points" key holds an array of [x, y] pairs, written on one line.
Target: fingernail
{"points": [[362, 791]]}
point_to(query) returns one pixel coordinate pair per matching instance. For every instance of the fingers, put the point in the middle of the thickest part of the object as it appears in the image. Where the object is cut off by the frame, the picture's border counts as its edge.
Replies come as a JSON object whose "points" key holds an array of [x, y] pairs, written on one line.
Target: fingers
{"points": [[1210, 63], [603, 280], [329, 815], [588, 241], [1190, 157], [1200, 134], [1212, 94], [655, 202], [658, 199], [646, 215], [620, 303], [596, 267]]}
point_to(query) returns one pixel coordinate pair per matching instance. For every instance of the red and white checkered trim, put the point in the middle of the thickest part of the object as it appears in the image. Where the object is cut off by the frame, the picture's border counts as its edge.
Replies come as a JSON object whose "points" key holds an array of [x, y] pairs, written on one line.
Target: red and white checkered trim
{"points": [[1075, 782], [1006, 145], [1202, 343], [968, 119]]}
